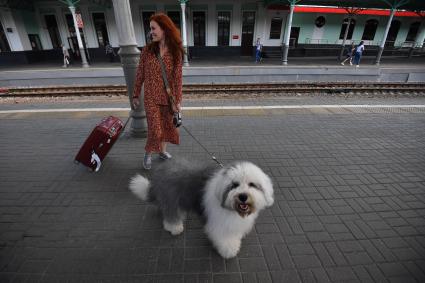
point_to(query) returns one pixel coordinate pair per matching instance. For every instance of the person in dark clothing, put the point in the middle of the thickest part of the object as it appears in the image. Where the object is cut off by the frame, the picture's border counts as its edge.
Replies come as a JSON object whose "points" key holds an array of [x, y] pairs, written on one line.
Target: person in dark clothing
{"points": [[349, 53], [110, 51]]}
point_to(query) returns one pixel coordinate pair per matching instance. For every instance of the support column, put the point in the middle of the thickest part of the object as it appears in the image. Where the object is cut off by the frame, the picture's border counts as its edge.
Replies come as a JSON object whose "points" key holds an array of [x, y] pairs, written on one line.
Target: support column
{"points": [[384, 39], [84, 62], [287, 34], [345, 38], [129, 54], [184, 32]]}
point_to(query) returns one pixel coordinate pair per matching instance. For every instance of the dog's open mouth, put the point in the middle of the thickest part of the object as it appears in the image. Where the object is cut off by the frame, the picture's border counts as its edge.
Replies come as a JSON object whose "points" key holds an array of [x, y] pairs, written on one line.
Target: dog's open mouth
{"points": [[243, 207]]}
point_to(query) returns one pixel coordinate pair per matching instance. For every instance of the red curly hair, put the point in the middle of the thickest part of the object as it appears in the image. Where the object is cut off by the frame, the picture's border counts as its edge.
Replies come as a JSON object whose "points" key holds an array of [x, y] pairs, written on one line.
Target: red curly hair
{"points": [[172, 36]]}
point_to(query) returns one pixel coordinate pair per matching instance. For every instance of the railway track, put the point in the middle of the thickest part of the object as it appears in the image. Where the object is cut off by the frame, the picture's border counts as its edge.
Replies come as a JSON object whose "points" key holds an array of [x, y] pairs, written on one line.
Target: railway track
{"points": [[198, 90]]}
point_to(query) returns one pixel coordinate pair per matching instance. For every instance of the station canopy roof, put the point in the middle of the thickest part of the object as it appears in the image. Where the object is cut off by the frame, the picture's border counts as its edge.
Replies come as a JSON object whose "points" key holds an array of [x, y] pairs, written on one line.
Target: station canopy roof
{"points": [[411, 5], [29, 4]]}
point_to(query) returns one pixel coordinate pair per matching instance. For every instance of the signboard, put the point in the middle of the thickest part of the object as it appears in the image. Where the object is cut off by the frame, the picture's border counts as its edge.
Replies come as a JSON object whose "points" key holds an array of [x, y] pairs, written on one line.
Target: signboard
{"points": [[79, 20]]}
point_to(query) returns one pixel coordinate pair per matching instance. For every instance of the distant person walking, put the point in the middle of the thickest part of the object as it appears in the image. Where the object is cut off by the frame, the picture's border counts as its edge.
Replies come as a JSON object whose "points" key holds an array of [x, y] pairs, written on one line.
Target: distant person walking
{"points": [[258, 50], [109, 50], [358, 55], [349, 52], [65, 56]]}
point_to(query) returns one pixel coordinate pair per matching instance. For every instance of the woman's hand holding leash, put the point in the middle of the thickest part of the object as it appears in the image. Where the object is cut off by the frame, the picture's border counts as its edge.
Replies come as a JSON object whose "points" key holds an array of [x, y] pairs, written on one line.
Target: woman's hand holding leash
{"points": [[136, 102], [176, 107]]}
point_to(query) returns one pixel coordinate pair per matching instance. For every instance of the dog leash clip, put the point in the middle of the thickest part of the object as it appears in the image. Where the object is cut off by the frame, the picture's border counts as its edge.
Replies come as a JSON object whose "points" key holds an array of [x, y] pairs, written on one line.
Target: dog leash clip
{"points": [[218, 162]]}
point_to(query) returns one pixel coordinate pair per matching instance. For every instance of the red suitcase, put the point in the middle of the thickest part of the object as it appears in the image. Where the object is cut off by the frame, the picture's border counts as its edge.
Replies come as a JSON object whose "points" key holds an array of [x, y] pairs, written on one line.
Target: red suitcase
{"points": [[100, 142]]}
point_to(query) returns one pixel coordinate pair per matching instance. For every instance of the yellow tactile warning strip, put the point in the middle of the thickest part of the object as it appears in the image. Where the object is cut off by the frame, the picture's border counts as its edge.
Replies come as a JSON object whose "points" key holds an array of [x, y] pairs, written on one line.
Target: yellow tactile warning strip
{"points": [[221, 111]]}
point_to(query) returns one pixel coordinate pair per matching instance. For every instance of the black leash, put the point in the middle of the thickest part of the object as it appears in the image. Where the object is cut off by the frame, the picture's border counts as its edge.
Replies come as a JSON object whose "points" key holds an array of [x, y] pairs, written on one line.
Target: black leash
{"points": [[206, 150], [171, 99]]}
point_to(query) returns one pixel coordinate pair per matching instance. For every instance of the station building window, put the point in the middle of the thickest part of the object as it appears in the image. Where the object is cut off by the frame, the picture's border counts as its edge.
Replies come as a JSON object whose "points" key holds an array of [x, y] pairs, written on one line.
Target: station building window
{"points": [[370, 29], [350, 28], [100, 28], [72, 39], [320, 21], [52, 27], [275, 28], [146, 24], [413, 31], [4, 44], [223, 31], [248, 26], [70, 24], [392, 33], [175, 17], [199, 28]]}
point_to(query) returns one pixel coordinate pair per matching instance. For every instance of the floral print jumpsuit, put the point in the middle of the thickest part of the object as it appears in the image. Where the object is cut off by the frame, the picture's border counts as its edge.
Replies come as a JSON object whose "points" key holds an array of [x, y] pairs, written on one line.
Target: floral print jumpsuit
{"points": [[158, 114]]}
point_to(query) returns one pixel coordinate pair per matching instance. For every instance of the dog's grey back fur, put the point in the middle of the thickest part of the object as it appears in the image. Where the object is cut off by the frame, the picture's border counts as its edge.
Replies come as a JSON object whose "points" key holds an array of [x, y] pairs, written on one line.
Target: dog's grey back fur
{"points": [[177, 185]]}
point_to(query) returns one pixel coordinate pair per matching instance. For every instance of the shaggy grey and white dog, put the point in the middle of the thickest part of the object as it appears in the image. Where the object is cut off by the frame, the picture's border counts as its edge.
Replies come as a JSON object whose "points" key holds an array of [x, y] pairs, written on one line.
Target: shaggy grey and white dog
{"points": [[228, 198]]}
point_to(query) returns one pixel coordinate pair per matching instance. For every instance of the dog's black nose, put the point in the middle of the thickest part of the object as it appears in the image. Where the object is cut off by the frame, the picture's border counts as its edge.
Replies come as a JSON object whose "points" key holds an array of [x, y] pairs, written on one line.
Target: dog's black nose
{"points": [[243, 197]]}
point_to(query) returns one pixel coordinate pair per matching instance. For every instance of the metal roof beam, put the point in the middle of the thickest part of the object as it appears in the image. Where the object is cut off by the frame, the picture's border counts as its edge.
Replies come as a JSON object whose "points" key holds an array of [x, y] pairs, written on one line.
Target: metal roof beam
{"points": [[410, 5], [18, 4]]}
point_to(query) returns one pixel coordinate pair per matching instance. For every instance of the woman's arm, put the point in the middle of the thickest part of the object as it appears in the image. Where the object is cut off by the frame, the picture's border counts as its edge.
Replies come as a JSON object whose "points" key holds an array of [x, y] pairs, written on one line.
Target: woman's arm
{"points": [[178, 80]]}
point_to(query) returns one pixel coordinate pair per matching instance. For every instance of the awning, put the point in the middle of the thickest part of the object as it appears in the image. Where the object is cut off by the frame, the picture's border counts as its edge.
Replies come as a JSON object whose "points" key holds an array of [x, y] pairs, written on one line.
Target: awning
{"points": [[411, 5]]}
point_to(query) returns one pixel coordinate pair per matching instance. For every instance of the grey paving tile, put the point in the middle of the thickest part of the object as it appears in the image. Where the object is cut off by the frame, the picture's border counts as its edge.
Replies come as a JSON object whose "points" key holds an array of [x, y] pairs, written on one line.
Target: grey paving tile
{"points": [[349, 203]]}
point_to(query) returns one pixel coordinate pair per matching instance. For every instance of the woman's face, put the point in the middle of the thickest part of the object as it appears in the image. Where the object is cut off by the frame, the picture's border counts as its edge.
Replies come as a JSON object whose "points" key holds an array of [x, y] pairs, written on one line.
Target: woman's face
{"points": [[156, 32]]}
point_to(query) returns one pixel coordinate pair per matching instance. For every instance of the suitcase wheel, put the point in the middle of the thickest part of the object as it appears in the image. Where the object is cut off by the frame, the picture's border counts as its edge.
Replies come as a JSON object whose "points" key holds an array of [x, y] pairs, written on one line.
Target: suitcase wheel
{"points": [[76, 162]]}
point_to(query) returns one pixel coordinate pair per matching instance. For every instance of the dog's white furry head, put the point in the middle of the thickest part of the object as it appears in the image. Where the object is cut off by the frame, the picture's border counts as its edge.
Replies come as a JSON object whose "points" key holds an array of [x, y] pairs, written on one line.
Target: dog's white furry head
{"points": [[233, 199], [242, 187]]}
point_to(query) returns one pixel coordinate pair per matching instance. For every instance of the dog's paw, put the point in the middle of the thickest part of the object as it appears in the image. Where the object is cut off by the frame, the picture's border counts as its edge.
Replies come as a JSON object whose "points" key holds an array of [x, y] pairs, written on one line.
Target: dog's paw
{"points": [[228, 248], [174, 228]]}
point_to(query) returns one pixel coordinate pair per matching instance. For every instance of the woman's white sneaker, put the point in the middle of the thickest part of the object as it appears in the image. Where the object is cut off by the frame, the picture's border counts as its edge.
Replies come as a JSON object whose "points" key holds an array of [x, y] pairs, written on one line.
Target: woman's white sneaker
{"points": [[147, 161], [164, 155]]}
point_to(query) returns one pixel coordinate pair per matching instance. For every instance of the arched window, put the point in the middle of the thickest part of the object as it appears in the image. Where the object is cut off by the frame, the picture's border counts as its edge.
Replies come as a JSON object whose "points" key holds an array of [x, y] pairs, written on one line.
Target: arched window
{"points": [[413, 31], [392, 33], [370, 29], [350, 29]]}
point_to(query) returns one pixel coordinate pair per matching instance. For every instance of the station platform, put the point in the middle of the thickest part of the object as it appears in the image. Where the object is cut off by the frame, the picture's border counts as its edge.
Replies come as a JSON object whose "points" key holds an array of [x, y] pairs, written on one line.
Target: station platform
{"points": [[349, 185], [228, 70]]}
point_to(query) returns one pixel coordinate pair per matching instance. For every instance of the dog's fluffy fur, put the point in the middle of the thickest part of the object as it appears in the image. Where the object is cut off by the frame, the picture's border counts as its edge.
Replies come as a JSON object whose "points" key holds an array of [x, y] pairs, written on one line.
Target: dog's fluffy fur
{"points": [[229, 198]]}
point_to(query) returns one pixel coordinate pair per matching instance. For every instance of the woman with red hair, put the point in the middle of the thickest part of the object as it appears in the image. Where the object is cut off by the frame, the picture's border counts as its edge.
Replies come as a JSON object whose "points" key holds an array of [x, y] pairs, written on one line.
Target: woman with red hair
{"points": [[166, 42]]}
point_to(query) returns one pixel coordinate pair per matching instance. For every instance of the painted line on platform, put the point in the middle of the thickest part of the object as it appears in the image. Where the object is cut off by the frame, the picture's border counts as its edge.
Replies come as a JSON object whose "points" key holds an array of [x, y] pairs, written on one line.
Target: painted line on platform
{"points": [[253, 107], [63, 69]]}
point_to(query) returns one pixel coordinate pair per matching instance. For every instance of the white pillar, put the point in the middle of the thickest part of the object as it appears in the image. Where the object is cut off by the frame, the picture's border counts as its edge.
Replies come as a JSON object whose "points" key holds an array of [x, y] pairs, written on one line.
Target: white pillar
{"points": [[387, 28], [129, 54], [80, 42], [287, 35], [345, 37], [184, 32]]}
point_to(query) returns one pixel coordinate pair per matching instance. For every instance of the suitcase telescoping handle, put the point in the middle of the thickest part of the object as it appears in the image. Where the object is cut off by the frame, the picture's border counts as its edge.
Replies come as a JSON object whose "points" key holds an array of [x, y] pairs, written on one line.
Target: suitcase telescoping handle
{"points": [[125, 125], [95, 158]]}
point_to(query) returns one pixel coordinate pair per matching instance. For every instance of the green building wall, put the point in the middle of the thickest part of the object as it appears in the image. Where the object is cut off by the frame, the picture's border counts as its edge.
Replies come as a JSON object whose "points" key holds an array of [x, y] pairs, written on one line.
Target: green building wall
{"points": [[304, 21], [30, 22], [333, 28], [333, 25]]}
